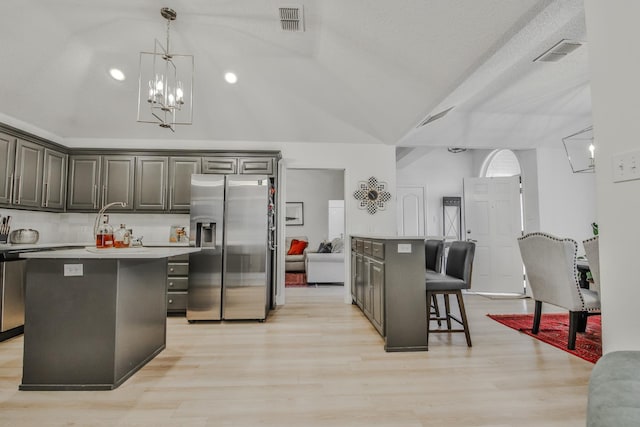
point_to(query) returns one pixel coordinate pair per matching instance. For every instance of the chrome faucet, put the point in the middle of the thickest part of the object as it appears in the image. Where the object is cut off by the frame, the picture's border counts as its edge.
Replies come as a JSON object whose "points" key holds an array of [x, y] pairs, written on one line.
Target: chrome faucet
{"points": [[100, 213]]}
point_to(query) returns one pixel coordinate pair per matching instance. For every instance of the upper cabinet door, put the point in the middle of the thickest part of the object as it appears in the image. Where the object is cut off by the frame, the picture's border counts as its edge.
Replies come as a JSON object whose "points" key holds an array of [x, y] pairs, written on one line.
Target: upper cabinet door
{"points": [[180, 171], [256, 165], [221, 165], [118, 181], [55, 179], [84, 182], [151, 183], [7, 158], [28, 174]]}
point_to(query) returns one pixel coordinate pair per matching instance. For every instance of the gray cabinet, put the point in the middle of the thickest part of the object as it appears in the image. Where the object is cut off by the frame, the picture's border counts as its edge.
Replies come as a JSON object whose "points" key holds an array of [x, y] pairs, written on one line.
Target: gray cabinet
{"points": [[388, 286], [221, 165], [238, 165], [84, 182], [118, 181], [256, 165], [180, 171], [376, 283], [7, 159], [54, 187], [28, 174], [96, 180], [177, 284], [151, 183]]}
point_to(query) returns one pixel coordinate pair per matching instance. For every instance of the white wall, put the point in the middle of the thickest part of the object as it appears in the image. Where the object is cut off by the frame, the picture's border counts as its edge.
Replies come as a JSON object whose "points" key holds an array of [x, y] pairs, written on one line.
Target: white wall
{"points": [[566, 199], [615, 90], [314, 187], [441, 174]]}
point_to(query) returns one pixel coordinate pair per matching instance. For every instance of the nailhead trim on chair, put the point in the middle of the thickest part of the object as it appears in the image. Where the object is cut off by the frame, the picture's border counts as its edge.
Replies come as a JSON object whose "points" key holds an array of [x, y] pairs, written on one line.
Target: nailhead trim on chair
{"points": [[575, 259]]}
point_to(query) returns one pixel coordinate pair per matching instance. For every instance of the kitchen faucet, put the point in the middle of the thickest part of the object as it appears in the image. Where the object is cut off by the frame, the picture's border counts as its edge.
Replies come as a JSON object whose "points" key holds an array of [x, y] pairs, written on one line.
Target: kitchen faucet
{"points": [[104, 208]]}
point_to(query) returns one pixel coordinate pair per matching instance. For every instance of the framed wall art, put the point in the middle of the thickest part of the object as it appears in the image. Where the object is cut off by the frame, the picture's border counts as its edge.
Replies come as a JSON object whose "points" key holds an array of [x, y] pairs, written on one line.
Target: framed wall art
{"points": [[294, 213]]}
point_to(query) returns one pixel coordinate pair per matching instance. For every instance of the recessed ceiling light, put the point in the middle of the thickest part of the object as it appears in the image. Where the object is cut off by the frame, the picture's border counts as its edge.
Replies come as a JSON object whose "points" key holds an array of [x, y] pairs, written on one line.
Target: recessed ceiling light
{"points": [[116, 74], [230, 77]]}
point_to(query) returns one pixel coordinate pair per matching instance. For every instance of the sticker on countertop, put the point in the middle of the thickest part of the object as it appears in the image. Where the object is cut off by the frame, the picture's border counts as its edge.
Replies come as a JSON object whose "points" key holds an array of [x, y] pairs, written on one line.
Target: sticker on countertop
{"points": [[404, 248], [73, 270]]}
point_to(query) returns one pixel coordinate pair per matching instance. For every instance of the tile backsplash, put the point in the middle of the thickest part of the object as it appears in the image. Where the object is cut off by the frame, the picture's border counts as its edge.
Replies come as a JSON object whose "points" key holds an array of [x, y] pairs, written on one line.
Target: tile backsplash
{"points": [[78, 227]]}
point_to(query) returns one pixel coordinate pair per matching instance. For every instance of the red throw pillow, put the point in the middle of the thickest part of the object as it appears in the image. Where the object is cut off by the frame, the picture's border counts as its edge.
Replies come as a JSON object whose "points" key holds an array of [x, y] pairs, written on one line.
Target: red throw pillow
{"points": [[297, 247]]}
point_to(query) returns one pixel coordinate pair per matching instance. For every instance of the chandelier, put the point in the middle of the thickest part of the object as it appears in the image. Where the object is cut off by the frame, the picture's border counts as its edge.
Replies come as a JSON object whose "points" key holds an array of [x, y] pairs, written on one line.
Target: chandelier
{"points": [[580, 151], [165, 83]]}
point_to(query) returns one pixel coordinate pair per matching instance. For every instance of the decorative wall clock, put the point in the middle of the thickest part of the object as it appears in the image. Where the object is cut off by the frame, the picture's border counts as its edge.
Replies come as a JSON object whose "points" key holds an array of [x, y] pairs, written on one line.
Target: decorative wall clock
{"points": [[372, 195]]}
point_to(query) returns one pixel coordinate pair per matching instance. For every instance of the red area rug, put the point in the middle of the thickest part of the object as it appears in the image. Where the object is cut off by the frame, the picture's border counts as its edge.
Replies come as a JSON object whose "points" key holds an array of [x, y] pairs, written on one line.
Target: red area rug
{"points": [[554, 330], [295, 280]]}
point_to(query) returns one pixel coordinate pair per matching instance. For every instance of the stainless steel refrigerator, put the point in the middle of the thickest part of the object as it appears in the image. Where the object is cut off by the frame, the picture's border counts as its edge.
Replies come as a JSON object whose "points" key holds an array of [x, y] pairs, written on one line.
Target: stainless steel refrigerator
{"points": [[230, 277]]}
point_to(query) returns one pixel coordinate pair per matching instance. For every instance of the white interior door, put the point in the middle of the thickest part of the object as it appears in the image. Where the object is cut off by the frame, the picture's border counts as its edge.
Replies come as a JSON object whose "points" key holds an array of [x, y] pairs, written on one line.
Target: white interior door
{"points": [[410, 205], [493, 220], [336, 219]]}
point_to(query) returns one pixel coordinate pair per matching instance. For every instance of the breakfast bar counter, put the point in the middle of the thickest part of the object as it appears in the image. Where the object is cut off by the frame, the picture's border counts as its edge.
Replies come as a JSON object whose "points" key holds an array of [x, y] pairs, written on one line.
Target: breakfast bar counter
{"points": [[93, 317]]}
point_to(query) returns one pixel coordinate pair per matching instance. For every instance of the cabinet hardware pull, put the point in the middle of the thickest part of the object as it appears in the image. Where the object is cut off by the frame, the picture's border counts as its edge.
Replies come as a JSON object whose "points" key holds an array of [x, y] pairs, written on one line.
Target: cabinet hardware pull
{"points": [[10, 183], [94, 197], [170, 301], [18, 190], [46, 194], [170, 198]]}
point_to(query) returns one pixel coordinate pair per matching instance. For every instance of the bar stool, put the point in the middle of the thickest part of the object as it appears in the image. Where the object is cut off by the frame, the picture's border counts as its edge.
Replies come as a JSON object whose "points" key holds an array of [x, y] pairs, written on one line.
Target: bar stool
{"points": [[456, 278]]}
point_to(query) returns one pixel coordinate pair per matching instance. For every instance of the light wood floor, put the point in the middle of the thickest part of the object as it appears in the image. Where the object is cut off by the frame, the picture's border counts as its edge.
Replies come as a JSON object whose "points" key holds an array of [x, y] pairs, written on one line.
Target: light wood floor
{"points": [[318, 362]]}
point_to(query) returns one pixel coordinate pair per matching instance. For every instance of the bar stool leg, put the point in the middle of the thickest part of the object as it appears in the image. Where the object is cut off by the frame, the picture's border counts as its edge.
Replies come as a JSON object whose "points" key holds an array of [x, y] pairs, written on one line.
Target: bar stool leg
{"points": [[463, 315]]}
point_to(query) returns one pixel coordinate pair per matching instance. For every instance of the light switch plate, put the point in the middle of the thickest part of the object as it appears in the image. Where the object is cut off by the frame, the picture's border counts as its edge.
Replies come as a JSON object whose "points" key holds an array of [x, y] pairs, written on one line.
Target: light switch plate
{"points": [[626, 166], [73, 270]]}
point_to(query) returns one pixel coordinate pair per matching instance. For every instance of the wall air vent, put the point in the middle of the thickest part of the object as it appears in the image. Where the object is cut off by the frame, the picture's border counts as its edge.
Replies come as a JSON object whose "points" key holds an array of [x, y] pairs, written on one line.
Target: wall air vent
{"points": [[292, 18], [434, 117], [558, 51]]}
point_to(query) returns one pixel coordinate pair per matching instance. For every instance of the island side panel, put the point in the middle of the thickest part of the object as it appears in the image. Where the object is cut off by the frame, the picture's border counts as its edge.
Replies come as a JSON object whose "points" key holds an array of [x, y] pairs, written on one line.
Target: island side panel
{"points": [[141, 321], [69, 325], [405, 296]]}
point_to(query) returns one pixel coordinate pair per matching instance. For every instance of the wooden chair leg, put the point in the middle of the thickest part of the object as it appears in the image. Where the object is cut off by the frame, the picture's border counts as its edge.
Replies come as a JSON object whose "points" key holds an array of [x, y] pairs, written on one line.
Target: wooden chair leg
{"points": [[463, 315], [536, 317], [447, 308], [436, 309], [574, 322], [582, 324]]}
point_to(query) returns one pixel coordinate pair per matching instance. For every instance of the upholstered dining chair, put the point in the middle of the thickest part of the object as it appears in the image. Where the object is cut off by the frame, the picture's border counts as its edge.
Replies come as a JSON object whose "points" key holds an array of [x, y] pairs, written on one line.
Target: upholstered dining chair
{"points": [[550, 265], [457, 277], [591, 248], [433, 249]]}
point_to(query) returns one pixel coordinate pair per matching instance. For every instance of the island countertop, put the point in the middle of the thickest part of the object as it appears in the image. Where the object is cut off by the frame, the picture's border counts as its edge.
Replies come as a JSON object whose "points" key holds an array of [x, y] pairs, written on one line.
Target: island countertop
{"points": [[123, 253]]}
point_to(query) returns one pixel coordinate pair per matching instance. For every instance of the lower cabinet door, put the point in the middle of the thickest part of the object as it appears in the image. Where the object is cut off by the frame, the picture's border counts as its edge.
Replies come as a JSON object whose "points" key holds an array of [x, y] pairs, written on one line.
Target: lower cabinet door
{"points": [[176, 301]]}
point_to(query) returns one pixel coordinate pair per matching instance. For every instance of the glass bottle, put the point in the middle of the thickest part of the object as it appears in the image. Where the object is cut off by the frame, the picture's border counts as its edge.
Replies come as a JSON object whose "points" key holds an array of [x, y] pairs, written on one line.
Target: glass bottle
{"points": [[104, 237], [121, 237]]}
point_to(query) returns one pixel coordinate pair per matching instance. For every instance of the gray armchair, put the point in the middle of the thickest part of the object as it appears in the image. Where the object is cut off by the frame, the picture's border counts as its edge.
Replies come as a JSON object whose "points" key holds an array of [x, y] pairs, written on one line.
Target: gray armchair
{"points": [[550, 264]]}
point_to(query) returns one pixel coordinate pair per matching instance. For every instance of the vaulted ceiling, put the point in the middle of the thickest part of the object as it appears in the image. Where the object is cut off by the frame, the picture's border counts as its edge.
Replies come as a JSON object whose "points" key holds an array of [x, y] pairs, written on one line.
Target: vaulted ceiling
{"points": [[363, 71]]}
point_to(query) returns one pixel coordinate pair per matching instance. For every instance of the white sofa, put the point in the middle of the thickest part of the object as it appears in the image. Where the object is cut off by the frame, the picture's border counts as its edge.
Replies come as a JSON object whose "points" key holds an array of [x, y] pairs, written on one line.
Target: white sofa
{"points": [[325, 267]]}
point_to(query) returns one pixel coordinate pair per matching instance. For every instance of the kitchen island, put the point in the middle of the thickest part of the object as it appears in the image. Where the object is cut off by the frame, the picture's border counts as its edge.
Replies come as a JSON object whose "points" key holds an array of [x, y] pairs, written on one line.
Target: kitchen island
{"points": [[93, 317]]}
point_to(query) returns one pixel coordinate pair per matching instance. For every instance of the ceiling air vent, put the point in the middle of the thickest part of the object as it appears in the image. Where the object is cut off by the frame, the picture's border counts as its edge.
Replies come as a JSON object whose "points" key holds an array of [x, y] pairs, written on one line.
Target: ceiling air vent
{"points": [[558, 51], [434, 117], [292, 18]]}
